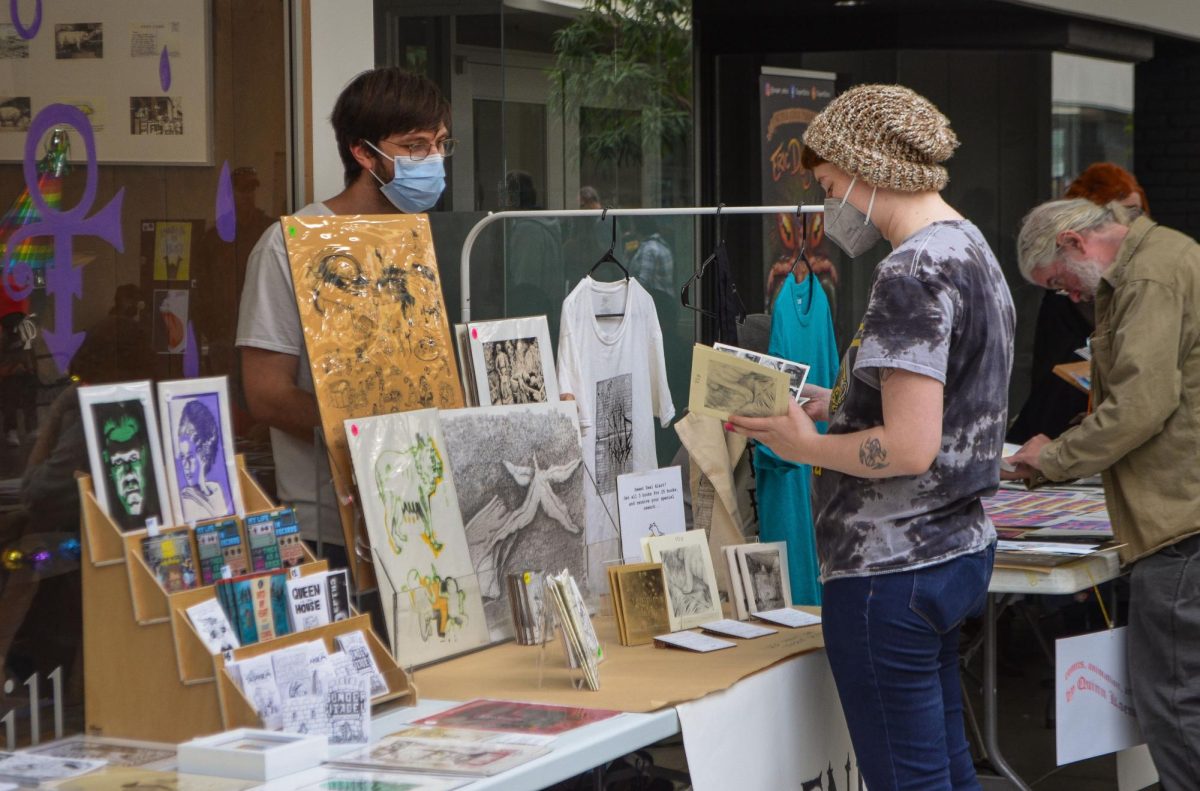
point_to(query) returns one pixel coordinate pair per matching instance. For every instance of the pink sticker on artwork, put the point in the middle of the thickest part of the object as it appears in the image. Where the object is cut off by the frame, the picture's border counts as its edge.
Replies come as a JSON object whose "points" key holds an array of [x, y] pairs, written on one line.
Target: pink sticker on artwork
{"points": [[475, 333], [354, 429]]}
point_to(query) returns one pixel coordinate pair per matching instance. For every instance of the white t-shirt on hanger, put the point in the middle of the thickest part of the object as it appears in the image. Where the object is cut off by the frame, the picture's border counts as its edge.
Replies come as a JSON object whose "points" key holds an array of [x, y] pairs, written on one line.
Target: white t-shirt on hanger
{"points": [[616, 370]]}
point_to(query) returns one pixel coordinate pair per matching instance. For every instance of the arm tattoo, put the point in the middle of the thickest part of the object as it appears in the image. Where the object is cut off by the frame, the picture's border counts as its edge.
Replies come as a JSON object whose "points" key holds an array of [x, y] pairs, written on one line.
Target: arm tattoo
{"points": [[872, 454]]}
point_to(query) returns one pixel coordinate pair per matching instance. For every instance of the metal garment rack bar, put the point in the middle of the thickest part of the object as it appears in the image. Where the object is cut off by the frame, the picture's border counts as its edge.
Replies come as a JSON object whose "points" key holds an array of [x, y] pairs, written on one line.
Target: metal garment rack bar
{"points": [[469, 242]]}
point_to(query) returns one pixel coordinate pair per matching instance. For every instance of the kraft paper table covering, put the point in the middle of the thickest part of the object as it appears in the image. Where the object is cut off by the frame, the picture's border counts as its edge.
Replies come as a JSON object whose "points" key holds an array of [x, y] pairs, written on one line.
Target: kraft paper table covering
{"points": [[632, 678]]}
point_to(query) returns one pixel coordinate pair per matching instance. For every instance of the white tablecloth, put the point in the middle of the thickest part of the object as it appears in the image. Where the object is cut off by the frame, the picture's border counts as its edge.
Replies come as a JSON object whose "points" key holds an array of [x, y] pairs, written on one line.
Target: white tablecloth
{"points": [[781, 728]]}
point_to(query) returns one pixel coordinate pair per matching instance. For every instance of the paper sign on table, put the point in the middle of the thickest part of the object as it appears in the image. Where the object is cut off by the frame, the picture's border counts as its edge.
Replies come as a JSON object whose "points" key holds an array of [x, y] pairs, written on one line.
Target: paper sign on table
{"points": [[731, 628], [1093, 702], [788, 617], [692, 641], [649, 504]]}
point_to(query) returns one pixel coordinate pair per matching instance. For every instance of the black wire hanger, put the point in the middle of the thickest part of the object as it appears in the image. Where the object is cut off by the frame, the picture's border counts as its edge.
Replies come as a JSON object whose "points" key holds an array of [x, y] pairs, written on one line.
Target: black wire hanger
{"points": [[609, 258], [802, 255], [700, 270]]}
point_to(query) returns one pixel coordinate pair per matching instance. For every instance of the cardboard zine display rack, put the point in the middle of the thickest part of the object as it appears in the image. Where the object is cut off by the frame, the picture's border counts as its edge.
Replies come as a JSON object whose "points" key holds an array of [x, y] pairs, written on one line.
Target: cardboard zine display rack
{"points": [[147, 673]]}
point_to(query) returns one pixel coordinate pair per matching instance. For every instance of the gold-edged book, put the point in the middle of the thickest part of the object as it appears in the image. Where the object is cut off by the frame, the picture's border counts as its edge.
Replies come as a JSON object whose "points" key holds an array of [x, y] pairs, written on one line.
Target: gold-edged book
{"points": [[724, 385], [640, 592]]}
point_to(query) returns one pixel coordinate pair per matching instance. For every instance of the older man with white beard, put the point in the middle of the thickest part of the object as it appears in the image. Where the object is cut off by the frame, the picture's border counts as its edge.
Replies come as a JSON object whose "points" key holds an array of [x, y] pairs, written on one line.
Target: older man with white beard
{"points": [[1143, 434]]}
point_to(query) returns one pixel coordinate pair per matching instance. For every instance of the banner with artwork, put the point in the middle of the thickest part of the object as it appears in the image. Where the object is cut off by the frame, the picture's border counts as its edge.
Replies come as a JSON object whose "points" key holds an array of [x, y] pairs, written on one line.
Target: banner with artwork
{"points": [[788, 100]]}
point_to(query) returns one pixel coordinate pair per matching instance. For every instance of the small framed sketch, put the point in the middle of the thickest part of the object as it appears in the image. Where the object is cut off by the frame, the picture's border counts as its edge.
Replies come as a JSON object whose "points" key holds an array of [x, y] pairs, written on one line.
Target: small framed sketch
{"points": [[513, 361], [127, 466], [116, 752], [764, 573], [691, 581], [202, 474], [252, 754]]}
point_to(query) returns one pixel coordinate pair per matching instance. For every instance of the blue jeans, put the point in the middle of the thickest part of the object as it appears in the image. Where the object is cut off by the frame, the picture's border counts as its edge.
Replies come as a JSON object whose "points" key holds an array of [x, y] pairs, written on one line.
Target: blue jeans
{"points": [[892, 641]]}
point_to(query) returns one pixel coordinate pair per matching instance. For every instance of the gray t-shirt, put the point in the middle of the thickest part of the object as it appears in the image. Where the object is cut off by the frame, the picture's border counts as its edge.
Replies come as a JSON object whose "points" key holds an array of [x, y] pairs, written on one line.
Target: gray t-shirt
{"points": [[269, 319], [939, 307]]}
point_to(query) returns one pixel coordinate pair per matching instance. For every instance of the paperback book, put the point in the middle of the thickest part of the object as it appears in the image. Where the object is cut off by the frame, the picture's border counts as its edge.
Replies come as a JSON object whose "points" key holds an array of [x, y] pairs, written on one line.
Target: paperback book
{"points": [[219, 543], [212, 624], [287, 536], [264, 546], [169, 556], [639, 599]]}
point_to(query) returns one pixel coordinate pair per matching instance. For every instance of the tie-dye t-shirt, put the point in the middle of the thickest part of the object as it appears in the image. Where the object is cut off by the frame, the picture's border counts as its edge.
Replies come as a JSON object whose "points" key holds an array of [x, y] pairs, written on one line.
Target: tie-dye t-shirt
{"points": [[939, 307]]}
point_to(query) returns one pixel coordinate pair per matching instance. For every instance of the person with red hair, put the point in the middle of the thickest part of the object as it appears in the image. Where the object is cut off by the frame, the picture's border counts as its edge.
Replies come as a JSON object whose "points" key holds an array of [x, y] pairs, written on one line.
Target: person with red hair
{"points": [[1104, 182], [1064, 326]]}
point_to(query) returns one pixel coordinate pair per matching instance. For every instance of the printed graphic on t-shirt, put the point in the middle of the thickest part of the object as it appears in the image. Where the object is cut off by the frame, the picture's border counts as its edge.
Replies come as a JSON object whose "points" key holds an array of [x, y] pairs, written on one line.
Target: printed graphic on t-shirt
{"points": [[614, 430]]}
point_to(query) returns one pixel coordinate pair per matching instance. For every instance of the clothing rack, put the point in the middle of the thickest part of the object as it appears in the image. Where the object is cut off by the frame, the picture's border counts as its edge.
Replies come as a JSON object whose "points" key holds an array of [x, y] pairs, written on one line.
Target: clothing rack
{"points": [[469, 242]]}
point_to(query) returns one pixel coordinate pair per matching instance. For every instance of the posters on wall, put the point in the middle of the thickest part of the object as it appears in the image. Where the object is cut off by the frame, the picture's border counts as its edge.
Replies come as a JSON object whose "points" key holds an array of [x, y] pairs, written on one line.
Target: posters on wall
{"points": [[169, 319], [375, 329], [138, 70], [788, 100]]}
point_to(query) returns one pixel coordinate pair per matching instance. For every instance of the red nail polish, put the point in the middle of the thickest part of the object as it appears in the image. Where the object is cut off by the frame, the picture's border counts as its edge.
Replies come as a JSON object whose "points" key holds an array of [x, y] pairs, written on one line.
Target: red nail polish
{"points": [[729, 426]]}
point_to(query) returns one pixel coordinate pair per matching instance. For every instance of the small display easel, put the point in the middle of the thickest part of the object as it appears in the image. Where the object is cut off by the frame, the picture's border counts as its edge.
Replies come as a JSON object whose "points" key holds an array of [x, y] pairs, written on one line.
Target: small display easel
{"points": [[147, 673]]}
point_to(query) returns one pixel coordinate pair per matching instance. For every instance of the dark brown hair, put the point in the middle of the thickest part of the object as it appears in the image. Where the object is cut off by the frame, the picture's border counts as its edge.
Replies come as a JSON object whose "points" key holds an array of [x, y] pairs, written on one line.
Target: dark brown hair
{"points": [[809, 159], [383, 102]]}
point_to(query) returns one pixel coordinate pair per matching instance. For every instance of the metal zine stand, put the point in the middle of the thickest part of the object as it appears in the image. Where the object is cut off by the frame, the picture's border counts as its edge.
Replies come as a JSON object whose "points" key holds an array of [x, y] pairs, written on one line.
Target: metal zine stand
{"points": [[469, 242]]}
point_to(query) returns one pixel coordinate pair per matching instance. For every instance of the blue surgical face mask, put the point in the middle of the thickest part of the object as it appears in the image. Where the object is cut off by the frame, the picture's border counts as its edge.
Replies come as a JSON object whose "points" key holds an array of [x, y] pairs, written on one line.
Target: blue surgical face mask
{"points": [[416, 184]]}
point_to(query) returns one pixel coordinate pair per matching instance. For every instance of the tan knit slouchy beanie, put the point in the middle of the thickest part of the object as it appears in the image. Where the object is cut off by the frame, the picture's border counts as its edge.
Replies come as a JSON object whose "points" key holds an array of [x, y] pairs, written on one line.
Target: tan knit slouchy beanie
{"points": [[887, 135]]}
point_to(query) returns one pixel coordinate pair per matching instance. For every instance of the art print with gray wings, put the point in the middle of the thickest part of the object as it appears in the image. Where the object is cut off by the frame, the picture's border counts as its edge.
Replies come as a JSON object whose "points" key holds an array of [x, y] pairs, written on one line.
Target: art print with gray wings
{"points": [[375, 326], [519, 474], [430, 593]]}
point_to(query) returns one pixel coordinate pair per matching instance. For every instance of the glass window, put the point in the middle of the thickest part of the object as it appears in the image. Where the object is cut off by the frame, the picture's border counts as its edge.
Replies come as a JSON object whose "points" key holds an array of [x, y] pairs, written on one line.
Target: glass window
{"points": [[1092, 117]]}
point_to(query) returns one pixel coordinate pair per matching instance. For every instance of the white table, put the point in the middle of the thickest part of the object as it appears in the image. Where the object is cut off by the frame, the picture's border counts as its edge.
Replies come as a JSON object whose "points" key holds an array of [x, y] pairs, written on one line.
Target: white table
{"points": [[1065, 579], [571, 753]]}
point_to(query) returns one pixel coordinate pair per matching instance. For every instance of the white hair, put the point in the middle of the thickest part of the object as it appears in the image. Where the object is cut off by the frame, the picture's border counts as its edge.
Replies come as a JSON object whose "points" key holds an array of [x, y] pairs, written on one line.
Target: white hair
{"points": [[1037, 244]]}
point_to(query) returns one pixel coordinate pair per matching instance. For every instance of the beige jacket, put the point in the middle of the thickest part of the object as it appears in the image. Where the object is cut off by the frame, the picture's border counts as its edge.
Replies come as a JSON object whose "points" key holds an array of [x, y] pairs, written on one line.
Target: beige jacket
{"points": [[1144, 430]]}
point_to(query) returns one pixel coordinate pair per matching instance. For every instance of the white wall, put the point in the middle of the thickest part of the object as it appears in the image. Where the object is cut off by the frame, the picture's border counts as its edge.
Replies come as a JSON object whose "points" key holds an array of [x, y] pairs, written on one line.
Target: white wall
{"points": [[342, 44]]}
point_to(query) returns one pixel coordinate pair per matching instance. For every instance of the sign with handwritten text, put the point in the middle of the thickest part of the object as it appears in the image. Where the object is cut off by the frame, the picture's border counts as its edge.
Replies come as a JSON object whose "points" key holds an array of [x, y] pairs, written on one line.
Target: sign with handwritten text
{"points": [[649, 504]]}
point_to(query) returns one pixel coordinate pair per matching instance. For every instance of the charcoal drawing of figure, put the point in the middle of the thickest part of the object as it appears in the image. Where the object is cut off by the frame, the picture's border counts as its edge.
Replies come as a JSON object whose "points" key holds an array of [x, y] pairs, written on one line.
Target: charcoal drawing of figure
{"points": [[522, 500], [514, 369], [614, 430], [686, 587], [406, 480]]}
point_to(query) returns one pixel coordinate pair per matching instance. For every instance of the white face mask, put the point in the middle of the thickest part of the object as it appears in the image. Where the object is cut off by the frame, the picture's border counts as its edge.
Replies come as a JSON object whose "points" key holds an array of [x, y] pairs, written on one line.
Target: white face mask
{"points": [[848, 227]]}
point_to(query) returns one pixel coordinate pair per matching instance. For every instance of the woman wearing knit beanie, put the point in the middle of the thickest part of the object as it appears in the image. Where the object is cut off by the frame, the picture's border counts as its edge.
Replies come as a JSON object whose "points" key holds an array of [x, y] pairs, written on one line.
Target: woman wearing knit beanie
{"points": [[916, 427]]}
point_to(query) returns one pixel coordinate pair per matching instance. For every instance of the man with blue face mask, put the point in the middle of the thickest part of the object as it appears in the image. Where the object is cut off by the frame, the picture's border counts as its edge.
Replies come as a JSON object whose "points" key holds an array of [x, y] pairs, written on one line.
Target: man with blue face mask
{"points": [[392, 138]]}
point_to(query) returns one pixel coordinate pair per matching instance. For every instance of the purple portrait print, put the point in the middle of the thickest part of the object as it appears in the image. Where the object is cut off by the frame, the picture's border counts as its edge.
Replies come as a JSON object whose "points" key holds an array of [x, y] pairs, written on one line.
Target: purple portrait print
{"points": [[198, 450]]}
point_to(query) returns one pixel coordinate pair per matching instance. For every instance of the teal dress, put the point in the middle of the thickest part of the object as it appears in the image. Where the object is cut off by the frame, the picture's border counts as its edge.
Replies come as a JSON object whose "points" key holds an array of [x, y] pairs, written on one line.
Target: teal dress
{"points": [[802, 331]]}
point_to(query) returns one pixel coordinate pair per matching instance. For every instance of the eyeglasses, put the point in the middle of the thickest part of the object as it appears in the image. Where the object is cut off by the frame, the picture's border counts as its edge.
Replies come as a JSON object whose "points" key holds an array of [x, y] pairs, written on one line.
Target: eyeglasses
{"points": [[421, 149]]}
